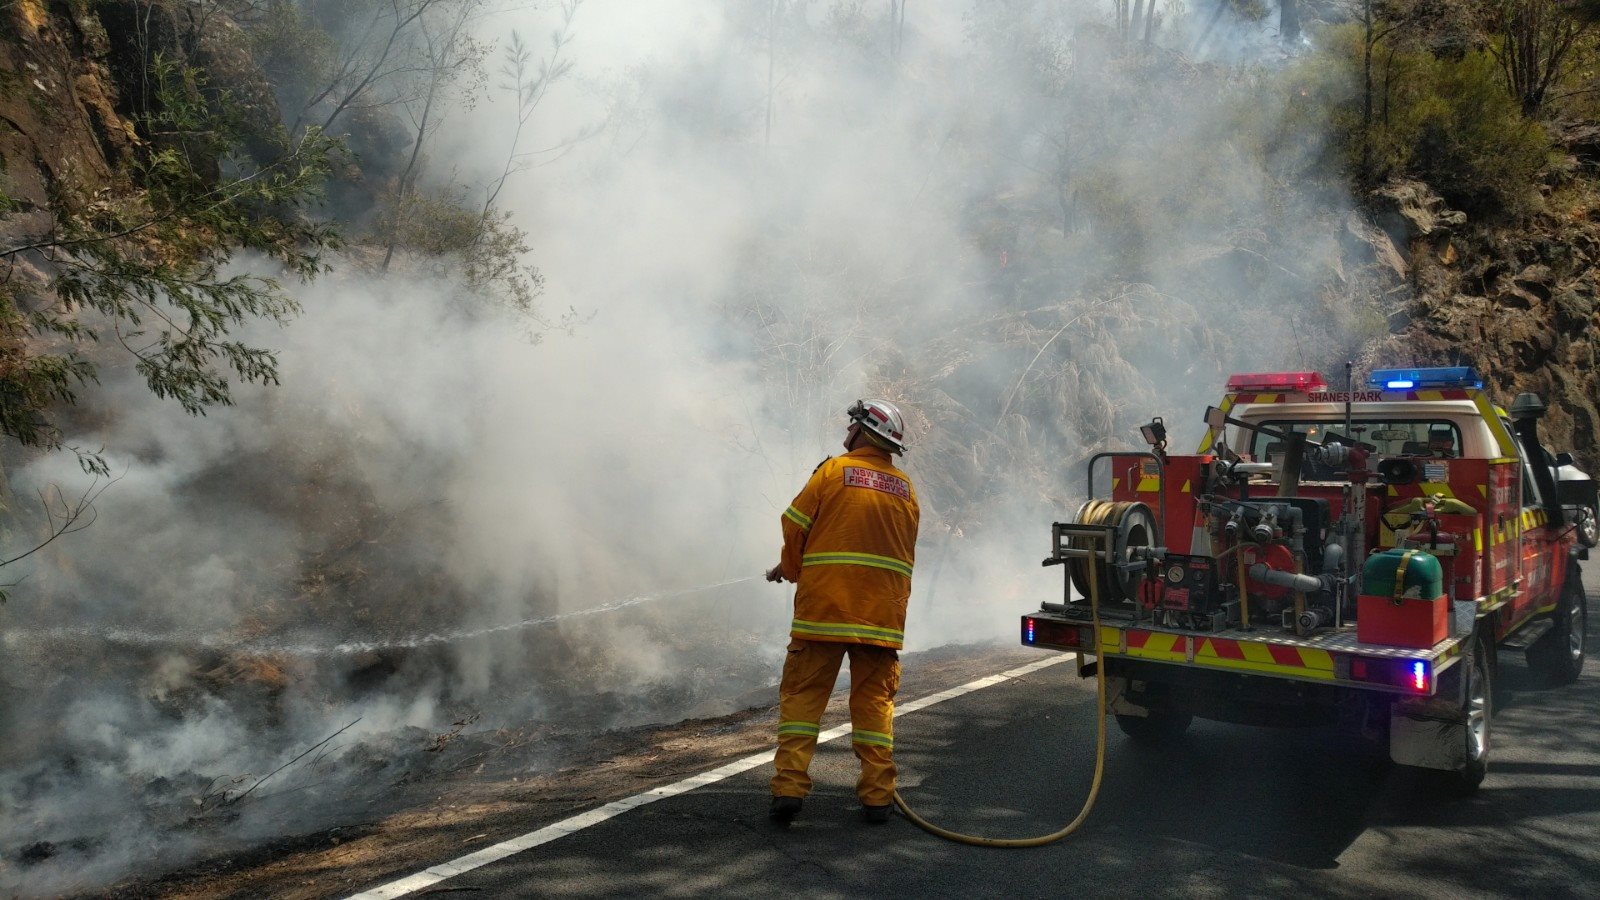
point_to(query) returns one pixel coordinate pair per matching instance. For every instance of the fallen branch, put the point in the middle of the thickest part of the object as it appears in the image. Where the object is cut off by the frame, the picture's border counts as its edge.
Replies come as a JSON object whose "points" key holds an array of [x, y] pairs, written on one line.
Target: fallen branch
{"points": [[291, 762]]}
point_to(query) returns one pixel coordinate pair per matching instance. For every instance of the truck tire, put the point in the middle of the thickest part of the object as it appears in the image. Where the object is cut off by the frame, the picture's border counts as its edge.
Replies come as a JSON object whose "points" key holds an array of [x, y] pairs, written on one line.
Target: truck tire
{"points": [[1159, 728], [1477, 702], [1558, 656], [1587, 524]]}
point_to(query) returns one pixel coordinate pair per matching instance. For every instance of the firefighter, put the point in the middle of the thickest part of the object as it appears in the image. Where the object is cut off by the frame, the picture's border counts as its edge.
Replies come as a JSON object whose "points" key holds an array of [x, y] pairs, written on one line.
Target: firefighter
{"points": [[848, 545]]}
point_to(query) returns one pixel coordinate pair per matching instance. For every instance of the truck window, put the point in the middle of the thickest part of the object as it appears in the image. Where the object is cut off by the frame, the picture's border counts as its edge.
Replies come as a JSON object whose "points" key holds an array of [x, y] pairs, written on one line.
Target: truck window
{"points": [[1530, 487], [1428, 438]]}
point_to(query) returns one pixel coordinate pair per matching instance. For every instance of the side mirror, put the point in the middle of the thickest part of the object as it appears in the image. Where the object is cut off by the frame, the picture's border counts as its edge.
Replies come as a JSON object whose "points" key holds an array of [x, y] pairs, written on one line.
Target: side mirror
{"points": [[1216, 419], [1563, 458], [1577, 493]]}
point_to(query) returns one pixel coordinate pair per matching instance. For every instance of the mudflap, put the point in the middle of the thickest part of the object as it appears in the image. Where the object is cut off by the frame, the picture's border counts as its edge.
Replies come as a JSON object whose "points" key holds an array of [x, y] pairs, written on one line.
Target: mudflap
{"points": [[1430, 735], [1431, 732]]}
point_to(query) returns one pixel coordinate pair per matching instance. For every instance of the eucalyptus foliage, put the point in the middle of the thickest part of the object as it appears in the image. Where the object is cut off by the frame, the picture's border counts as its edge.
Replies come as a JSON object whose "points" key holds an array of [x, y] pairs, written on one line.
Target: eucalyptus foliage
{"points": [[145, 264]]}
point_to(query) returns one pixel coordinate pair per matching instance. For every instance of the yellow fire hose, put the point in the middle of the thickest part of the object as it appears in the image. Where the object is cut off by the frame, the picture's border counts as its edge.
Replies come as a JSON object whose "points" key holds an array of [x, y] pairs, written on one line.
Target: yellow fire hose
{"points": [[1099, 758]]}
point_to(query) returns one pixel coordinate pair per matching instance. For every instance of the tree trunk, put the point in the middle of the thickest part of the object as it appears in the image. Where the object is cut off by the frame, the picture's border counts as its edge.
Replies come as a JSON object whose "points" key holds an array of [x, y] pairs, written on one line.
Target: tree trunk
{"points": [[1289, 21], [1366, 88], [408, 177]]}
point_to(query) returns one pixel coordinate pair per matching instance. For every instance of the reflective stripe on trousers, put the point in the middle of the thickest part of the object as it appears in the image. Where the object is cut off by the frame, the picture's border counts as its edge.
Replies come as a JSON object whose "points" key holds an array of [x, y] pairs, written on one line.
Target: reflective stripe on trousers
{"points": [[809, 673]]}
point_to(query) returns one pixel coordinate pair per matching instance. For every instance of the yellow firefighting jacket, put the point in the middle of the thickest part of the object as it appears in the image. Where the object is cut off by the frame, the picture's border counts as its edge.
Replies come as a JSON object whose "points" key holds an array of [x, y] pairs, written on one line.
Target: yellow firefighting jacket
{"points": [[849, 541]]}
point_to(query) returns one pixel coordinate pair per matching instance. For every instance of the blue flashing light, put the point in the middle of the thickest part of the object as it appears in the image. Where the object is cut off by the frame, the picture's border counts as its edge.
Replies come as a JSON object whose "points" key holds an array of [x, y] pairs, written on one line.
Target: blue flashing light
{"points": [[1419, 676], [1030, 630], [1443, 377]]}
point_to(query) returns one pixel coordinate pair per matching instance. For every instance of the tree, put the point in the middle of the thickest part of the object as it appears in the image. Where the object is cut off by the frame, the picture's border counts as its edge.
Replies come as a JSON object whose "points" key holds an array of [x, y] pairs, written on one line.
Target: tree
{"points": [[1134, 17], [1539, 43], [144, 263], [529, 82], [1388, 22], [1289, 21], [328, 60], [450, 60]]}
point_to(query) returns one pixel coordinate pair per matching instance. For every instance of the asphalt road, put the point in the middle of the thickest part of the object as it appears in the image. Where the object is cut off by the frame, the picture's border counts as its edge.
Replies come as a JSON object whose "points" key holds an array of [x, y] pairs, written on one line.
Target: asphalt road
{"points": [[1231, 811]]}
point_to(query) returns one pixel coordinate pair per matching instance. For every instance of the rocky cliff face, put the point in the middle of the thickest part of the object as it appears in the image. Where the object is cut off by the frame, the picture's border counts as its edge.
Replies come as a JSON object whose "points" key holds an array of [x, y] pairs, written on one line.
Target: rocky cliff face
{"points": [[60, 124], [1518, 301], [75, 85]]}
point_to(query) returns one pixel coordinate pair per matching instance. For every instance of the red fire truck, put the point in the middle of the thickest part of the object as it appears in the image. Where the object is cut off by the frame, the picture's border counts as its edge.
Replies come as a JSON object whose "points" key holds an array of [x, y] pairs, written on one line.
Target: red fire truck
{"points": [[1358, 557]]}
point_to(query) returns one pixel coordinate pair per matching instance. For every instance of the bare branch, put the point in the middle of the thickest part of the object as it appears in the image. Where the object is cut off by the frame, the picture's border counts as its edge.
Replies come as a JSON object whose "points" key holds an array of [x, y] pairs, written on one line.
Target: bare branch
{"points": [[71, 521]]}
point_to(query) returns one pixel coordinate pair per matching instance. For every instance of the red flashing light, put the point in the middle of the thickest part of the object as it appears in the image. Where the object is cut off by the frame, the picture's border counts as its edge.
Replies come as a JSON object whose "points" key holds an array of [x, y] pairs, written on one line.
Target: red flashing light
{"points": [[1414, 675], [1289, 382], [1419, 676], [1037, 632]]}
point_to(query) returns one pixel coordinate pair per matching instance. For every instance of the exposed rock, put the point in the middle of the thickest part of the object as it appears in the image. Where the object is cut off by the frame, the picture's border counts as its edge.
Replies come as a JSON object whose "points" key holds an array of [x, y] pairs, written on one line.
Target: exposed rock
{"points": [[1516, 300], [223, 53], [1422, 211], [1581, 139], [1375, 244], [1573, 310], [1536, 280], [1516, 297]]}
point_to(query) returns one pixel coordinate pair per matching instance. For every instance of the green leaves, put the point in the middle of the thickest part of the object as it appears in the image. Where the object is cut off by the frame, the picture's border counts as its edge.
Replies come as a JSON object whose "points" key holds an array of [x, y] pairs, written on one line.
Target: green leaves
{"points": [[148, 260]]}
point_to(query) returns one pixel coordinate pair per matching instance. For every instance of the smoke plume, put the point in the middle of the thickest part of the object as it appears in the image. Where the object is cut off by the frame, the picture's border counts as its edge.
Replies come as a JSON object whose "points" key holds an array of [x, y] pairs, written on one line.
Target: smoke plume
{"points": [[1030, 229]]}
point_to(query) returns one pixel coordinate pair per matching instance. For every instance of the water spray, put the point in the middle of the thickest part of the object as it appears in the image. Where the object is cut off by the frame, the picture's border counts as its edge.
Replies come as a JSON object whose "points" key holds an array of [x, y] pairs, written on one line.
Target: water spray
{"points": [[135, 637]]}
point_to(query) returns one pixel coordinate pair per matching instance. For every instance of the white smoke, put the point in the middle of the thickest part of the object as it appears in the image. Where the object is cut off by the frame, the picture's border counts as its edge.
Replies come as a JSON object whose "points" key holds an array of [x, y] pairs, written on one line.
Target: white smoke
{"points": [[424, 470]]}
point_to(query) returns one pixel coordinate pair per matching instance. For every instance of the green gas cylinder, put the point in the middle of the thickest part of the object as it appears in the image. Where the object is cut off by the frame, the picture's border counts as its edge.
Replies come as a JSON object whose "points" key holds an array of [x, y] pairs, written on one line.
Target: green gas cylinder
{"points": [[1418, 574]]}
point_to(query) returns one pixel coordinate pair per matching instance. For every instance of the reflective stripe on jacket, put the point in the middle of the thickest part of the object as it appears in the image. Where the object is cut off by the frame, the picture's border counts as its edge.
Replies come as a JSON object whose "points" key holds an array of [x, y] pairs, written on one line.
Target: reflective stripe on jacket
{"points": [[849, 543]]}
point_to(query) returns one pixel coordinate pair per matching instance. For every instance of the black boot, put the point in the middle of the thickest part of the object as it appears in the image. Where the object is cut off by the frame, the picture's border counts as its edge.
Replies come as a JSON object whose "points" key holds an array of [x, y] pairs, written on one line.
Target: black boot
{"points": [[875, 815], [784, 809]]}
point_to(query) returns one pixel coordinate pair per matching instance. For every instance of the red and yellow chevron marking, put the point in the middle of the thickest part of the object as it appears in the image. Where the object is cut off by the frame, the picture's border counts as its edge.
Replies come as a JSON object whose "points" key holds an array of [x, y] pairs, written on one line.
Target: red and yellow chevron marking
{"points": [[1221, 653]]}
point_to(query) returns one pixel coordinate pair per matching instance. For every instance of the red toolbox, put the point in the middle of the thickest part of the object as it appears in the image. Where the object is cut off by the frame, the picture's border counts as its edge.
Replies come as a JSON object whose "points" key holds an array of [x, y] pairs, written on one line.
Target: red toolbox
{"points": [[1385, 615], [1409, 622]]}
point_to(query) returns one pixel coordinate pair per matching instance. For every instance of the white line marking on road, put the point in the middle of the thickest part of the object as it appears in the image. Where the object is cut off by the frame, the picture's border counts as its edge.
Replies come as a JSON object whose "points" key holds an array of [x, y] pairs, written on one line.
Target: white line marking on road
{"points": [[432, 875]]}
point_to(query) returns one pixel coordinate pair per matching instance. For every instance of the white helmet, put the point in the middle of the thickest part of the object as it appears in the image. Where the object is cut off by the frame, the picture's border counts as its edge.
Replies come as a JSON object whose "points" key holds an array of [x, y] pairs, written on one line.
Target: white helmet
{"points": [[883, 419]]}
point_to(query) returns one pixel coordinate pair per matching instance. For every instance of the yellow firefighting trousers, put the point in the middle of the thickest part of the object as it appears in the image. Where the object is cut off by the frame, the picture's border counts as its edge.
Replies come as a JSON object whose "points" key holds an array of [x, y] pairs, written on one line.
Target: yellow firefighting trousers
{"points": [[809, 673]]}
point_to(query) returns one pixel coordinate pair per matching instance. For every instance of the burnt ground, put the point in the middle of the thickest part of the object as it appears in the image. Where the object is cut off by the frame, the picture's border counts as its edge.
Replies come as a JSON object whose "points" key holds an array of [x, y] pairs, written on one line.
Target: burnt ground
{"points": [[475, 788]]}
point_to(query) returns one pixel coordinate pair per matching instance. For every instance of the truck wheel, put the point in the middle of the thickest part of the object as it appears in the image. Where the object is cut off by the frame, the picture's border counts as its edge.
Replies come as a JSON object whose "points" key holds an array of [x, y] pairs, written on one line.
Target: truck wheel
{"points": [[1161, 727], [1558, 656], [1587, 524], [1478, 707]]}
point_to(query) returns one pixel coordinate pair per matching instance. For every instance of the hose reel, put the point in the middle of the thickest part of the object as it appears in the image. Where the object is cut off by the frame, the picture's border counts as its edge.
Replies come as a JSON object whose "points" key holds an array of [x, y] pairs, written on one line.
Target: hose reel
{"points": [[1120, 576]]}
